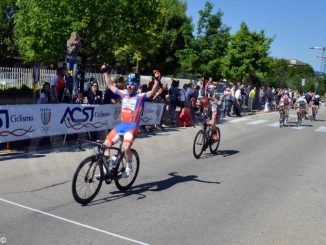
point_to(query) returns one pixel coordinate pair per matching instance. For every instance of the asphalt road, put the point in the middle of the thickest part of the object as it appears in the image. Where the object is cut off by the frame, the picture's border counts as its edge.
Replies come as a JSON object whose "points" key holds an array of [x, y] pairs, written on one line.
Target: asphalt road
{"points": [[266, 185]]}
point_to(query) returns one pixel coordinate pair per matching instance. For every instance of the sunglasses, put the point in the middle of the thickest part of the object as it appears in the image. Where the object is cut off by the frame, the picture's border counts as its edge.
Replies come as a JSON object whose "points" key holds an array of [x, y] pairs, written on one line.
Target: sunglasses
{"points": [[132, 83]]}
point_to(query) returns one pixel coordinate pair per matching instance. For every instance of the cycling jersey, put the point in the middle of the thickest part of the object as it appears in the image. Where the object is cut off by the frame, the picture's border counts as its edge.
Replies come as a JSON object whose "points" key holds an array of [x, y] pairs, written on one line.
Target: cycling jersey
{"points": [[316, 99], [132, 106], [285, 101], [213, 108], [131, 109]]}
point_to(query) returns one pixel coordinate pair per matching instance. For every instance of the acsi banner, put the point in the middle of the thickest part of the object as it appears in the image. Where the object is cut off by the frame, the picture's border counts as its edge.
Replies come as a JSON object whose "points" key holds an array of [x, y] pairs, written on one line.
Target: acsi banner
{"points": [[18, 122]]}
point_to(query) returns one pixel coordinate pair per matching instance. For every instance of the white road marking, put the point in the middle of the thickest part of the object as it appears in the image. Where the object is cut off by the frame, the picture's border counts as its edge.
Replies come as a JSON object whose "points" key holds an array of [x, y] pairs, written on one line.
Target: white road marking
{"points": [[73, 222], [277, 124], [239, 120], [257, 122], [321, 129], [300, 127]]}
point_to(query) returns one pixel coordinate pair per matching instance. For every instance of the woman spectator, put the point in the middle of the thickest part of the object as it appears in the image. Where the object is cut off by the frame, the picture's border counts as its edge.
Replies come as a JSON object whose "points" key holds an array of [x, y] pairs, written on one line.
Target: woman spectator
{"points": [[73, 47], [94, 95], [174, 93], [45, 94]]}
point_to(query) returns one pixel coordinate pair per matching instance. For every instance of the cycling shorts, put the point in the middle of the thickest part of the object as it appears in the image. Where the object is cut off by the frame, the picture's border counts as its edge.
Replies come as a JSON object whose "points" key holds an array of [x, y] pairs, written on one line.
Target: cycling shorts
{"points": [[316, 103], [128, 130]]}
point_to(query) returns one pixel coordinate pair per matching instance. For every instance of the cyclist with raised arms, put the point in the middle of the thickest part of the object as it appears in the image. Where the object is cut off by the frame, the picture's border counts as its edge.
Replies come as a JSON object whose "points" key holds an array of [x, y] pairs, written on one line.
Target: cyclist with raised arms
{"points": [[131, 109]]}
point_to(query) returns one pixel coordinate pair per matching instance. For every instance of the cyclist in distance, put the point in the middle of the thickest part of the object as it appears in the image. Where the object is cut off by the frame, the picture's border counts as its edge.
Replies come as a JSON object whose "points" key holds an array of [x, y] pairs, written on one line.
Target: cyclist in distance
{"points": [[213, 110], [131, 109], [285, 102], [301, 106], [315, 103]]}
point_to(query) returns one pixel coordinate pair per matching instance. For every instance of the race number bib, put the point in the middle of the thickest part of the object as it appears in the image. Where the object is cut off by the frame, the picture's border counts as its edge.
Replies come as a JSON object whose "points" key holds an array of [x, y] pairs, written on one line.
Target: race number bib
{"points": [[129, 104]]}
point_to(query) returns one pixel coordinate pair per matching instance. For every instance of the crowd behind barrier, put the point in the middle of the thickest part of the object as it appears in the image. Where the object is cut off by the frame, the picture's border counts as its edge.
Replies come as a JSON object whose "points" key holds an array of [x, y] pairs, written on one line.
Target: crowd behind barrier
{"points": [[183, 100]]}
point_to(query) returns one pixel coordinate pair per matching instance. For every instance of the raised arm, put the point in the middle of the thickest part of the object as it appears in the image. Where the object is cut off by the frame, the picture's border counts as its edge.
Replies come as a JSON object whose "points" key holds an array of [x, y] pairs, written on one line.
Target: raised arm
{"points": [[157, 75], [105, 69]]}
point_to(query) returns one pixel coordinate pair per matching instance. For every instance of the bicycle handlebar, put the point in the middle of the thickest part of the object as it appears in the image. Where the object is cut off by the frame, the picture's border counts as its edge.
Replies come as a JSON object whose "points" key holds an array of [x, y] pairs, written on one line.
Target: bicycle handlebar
{"points": [[80, 143]]}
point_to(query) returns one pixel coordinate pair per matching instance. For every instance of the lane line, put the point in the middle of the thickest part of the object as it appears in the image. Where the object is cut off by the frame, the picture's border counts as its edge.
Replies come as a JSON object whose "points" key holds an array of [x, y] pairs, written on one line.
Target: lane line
{"points": [[239, 120], [277, 124], [321, 129], [257, 122], [73, 222], [300, 127]]}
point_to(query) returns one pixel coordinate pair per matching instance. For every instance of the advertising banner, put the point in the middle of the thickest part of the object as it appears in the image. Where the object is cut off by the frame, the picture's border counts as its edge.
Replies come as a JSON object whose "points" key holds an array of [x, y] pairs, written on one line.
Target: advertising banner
{"points": [[18, 122]]}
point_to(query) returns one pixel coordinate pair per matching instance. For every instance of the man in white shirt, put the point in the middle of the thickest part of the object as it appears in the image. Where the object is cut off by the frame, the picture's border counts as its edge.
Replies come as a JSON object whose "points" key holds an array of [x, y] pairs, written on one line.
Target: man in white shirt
{"points": [[238, 101]]}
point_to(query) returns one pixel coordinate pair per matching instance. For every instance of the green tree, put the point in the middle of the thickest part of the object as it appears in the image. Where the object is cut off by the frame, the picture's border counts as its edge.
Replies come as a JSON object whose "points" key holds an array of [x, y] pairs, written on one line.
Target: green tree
{"points": [[248, 55], [108, 29], [174, 32], [284, 75], [8, 53], [205, 53]]}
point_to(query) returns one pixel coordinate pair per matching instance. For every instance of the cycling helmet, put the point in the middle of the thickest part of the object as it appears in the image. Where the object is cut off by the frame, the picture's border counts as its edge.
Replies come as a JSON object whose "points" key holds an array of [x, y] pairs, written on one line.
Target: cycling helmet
{"points": [[133, 79]]}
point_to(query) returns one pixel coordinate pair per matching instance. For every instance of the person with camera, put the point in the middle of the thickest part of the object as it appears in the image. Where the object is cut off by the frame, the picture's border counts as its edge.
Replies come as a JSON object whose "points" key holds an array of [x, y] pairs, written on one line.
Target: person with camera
{"points": [[94, 95], [131, 109], [73, 46]]}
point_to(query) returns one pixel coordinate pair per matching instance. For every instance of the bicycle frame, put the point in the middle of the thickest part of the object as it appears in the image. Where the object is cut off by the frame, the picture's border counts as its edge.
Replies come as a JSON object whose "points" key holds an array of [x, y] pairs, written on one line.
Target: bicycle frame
{"points": [[99, 154]]}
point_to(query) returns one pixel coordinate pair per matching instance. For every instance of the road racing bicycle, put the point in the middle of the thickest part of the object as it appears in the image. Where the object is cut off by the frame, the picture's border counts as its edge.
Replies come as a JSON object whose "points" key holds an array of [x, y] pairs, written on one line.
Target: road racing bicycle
{"points": [[95, 169]]}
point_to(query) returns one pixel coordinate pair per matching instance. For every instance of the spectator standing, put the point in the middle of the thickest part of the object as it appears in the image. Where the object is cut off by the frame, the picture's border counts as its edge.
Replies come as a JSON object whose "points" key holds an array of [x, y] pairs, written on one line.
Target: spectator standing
{"points": [[58, 85], [227, 101], [174, 93], [73, 47], [232, 91], [109, 96], [261, 98], [45, 95], [183, 96], [94, 95], [251, 99], [238, 101]]}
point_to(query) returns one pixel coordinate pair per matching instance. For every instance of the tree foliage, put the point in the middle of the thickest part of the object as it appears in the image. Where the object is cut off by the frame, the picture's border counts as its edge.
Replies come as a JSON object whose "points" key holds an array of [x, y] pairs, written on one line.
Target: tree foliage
{"points": [[248, 55], [205, 52], [140, 35], [108, 29], [8, 51]]}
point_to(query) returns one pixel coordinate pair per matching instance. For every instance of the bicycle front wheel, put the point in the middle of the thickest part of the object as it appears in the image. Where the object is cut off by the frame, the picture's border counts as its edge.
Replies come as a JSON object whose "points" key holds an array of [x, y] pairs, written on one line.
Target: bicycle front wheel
{"points": [[122, 183], [215, 140], [87, 180], [199, 142]]}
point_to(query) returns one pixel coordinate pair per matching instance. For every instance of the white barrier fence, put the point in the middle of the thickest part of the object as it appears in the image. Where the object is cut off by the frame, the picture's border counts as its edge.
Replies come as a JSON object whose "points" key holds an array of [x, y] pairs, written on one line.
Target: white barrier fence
{"points": [[18, 122], [17, 77]]}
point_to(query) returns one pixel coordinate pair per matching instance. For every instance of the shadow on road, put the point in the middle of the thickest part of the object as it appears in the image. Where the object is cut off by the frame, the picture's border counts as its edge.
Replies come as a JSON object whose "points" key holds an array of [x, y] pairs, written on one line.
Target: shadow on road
{"points": [[19, 155], [294, 125], [152, 186], [224, 153]]}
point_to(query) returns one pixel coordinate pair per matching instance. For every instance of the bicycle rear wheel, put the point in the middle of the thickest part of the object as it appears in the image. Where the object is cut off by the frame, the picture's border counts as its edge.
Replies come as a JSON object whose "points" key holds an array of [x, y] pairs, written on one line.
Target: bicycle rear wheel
{"points": [[215, 140], [87, 180], [124, 184], [199, 142], [281, 120]]}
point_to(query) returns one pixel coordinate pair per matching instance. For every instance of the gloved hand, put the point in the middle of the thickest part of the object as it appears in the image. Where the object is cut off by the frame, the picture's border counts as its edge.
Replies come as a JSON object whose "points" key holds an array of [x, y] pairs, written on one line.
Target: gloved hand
{"points": [[105, 68], [157, 75]]}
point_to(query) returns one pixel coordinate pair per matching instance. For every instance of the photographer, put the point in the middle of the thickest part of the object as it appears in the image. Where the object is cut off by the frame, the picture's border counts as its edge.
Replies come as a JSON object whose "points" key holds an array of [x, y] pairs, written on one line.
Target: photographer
{"points": [[94, 95]]}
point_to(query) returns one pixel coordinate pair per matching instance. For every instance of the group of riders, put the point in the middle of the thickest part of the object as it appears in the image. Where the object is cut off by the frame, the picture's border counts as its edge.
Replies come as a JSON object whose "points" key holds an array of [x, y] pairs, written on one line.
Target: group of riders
{"points": [[302, 105]]}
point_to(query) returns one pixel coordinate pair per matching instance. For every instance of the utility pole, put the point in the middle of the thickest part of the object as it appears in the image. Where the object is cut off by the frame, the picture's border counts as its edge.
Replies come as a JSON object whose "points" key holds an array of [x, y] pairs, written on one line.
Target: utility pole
{"points": [[322, 58]]}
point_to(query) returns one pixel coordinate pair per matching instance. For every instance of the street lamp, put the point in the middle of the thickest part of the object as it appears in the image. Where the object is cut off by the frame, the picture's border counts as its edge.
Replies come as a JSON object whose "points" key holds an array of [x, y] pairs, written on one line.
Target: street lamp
{"points": [[322, 58]]}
